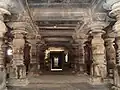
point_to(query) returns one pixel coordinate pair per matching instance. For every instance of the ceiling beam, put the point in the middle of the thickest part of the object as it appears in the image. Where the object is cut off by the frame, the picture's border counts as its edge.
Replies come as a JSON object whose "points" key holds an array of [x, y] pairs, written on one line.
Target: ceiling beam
{"points": [[56, 33], [53, 39], [55, 27]]}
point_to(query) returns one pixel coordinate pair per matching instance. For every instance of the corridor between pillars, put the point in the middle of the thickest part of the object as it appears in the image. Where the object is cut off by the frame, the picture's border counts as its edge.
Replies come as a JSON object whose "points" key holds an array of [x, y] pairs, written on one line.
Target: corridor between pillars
{"points": [[2, 64], [98, 50]]}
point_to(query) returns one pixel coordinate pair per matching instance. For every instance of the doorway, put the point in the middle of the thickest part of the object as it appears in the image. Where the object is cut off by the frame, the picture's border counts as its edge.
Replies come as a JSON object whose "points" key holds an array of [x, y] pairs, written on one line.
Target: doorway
{"points": [[57, 58]]}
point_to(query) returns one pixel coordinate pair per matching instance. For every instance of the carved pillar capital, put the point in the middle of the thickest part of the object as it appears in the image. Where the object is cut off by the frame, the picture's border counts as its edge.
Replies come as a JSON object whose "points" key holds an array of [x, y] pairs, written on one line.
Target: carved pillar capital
{"points": [[97, 28], [115, 12], [20, 27]]}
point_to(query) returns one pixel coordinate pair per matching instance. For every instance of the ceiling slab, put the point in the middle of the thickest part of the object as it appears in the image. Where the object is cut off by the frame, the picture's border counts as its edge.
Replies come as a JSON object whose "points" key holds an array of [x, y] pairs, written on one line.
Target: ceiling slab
{"points": [[57, 39], [56, 33]]}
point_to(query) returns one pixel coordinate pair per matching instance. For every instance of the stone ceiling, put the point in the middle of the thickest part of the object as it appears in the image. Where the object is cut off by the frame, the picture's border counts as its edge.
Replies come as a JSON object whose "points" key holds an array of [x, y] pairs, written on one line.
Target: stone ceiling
{"points": [[60, 1], [58, 19]]}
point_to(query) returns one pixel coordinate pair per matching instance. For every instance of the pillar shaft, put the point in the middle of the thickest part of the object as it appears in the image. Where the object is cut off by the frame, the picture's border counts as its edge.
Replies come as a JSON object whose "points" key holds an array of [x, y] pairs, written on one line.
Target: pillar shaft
{"points": [[98, 52], [40, 55], [2, 63], [110, 55], [81, 55], [76, 57], [116, 12], [18, 54], [18, 68], [80, 39]]}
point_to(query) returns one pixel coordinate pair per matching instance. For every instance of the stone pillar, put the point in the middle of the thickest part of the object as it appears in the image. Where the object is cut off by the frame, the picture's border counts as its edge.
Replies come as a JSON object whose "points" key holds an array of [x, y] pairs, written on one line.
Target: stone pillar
{"points": [[2, 64], [82, 55], [110, 53], [31, 39], [79, 52], [98, 50], [18, 70], [76, 58], [116, 12], [40, 55], [35, 48]]}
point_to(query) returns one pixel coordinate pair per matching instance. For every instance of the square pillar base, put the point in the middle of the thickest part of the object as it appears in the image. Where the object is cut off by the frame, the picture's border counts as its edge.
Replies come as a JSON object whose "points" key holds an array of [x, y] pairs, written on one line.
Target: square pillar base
{"points": [[17, 82], [96, 81]]}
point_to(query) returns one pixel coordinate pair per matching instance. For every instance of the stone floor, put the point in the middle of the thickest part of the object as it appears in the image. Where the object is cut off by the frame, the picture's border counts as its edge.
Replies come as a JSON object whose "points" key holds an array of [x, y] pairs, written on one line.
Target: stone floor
{"points": [[60, 82]]}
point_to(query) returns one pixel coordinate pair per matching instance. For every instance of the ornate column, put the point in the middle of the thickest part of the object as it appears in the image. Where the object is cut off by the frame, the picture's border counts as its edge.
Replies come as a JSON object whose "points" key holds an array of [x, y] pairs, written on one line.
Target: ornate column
{"points": [[35, 51], [82, 54], [40, 45], [76, 58], [98, 50], [80, 40], [110, 52], [88, 55], [18, 70], [116, 12], [31, 39], [3, 29]]}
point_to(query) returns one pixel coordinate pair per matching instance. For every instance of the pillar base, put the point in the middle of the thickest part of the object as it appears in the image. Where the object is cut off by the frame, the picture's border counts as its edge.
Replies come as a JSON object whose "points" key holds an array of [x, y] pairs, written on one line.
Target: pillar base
{"points": [[5, 88], [115, 88], [96, 81], [17, 82]]}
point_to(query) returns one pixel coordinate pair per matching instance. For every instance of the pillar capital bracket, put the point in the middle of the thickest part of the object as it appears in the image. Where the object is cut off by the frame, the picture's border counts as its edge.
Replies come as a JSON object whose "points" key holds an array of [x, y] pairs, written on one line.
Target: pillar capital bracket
{"points": [[79, 35], [4, 11], [18, 25], [109, 3], [30, 36], [115, 9], [96, 26]]}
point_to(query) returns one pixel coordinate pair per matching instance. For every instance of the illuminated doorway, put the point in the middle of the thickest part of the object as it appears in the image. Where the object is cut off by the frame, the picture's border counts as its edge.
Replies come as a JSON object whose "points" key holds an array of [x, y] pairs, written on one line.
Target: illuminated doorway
{"points": [[56, 58]]}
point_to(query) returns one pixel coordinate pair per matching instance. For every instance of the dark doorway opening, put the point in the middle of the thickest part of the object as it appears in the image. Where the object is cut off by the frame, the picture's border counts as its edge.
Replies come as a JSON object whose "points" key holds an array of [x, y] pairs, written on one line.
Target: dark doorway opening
{"points": [[57, 59]]}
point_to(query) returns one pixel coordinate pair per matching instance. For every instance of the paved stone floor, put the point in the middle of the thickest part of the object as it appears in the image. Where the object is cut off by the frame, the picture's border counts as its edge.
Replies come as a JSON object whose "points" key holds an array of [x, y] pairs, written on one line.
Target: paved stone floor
{"points": [[60, 82]]}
